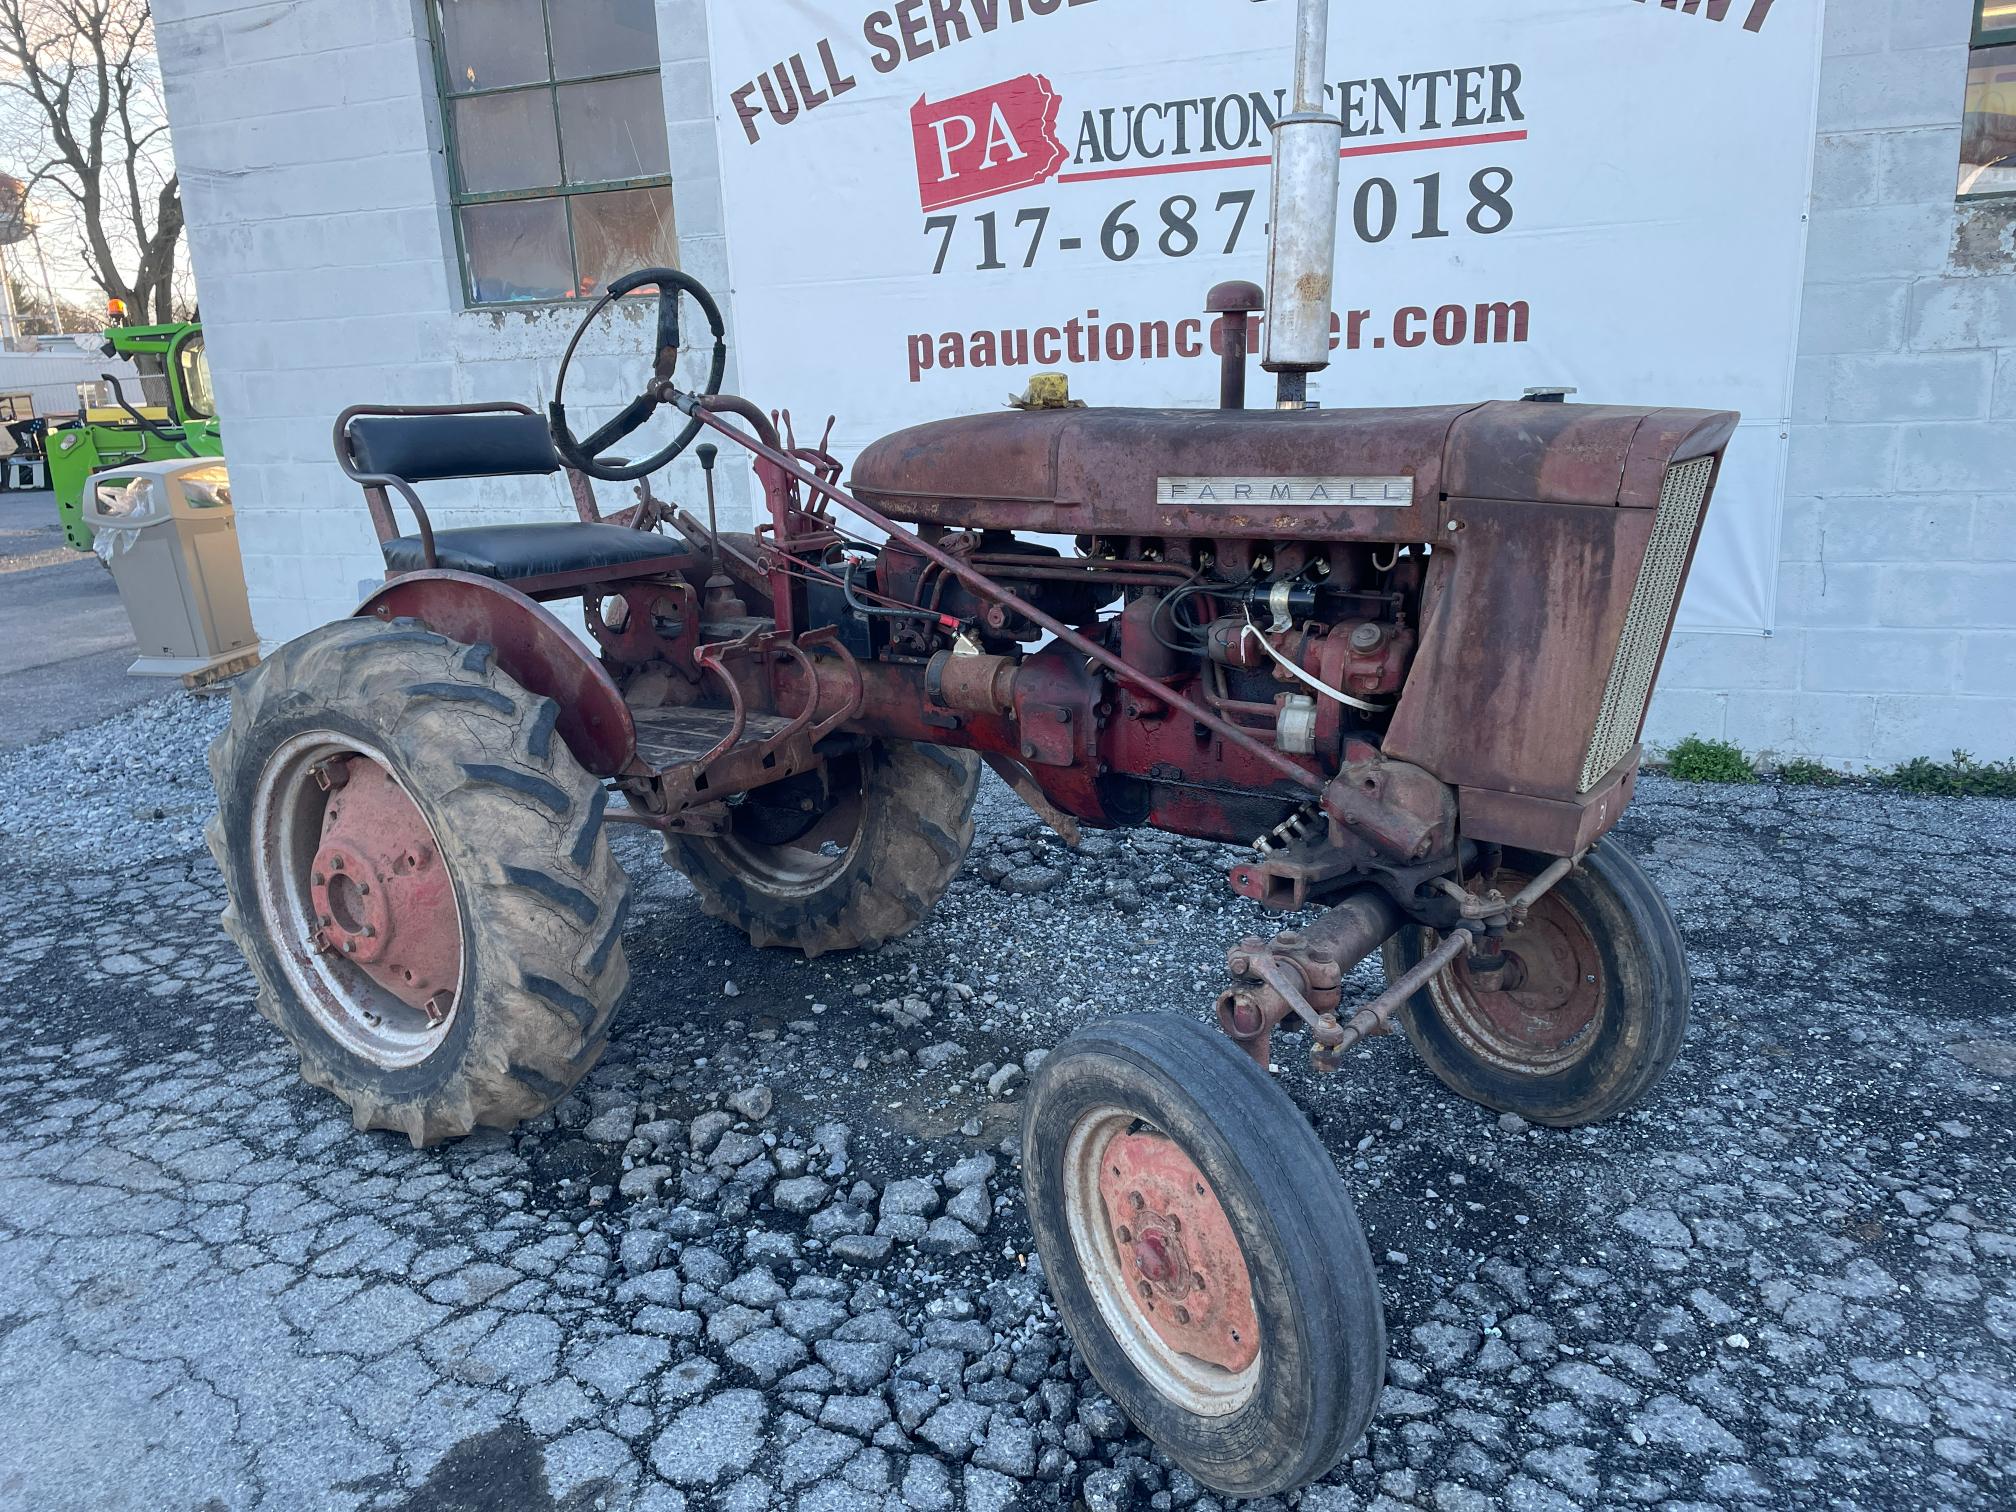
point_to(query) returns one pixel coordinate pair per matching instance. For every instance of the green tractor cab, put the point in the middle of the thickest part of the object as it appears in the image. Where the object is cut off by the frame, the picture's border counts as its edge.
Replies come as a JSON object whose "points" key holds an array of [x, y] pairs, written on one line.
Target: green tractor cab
{"points": [[123, 434]]}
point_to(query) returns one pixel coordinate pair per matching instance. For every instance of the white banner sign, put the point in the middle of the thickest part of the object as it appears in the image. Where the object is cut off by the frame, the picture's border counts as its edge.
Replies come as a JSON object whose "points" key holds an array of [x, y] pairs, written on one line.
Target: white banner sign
{"points": [[930, 200]]}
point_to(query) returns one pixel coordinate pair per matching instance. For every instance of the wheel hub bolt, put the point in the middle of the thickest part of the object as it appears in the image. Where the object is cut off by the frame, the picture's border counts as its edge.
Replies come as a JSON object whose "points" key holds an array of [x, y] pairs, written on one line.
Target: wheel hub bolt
{"points": [[1182, 1314]]}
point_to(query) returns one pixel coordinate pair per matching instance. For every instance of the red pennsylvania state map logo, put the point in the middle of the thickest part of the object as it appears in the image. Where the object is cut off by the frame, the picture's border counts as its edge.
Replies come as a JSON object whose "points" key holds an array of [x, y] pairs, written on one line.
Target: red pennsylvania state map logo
{"points": [[991, 141]]}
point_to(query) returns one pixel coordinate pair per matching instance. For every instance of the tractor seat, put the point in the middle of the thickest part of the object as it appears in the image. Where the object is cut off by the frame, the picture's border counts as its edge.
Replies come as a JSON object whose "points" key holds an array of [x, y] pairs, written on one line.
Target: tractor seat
{"points": [[389, 449], [510, 552]]}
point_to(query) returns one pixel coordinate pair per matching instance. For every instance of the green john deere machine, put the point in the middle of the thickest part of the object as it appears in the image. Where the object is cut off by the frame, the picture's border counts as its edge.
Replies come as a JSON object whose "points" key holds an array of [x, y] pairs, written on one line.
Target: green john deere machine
{"points": [[171, 358]]}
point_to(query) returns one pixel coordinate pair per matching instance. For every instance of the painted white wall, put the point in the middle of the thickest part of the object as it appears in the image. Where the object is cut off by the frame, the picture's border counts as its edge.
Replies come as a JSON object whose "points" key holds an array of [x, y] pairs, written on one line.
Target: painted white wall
{"points": [[308, 137], [310, 147], [1896, 632]]}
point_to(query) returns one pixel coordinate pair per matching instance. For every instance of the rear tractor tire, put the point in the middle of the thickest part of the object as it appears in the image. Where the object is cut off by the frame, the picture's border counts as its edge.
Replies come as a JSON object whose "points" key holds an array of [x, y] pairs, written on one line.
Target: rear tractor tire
{"points": [[1594, 1009], [1203, 1252], [862, 867], [418, 876]]}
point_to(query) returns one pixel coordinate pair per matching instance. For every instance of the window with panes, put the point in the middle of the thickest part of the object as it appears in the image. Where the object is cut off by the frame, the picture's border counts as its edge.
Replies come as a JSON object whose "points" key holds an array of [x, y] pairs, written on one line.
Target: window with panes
{"points": [[557, 159], [1988, 129]]}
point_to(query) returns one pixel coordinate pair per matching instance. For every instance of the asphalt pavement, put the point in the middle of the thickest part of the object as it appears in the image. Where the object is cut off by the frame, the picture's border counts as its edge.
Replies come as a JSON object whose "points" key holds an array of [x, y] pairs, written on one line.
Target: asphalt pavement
{"points": [[65, 642], [772, 1254]]}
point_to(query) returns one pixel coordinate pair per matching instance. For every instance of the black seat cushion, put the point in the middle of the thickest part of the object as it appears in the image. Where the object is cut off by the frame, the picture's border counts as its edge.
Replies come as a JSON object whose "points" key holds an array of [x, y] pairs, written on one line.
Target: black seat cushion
{"points": [[509, 552], [424, 448]]}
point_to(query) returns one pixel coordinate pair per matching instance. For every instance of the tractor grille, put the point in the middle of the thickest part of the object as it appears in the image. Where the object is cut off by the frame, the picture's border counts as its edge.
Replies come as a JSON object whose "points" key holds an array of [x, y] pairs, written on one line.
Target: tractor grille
{"points": [[1651, 616]]}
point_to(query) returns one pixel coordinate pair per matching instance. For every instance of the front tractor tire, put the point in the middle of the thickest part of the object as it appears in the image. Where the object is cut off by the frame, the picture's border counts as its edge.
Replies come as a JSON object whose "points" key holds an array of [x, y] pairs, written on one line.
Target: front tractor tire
{"points": [[417, 874], [1592, 1013], [860, 865], [1203, 1252]]}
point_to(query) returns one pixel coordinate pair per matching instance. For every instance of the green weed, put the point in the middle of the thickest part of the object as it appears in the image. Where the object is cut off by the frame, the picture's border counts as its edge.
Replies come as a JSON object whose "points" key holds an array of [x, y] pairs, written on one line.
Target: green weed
{"points": [[1801, 772], [1698, 760], [1962, 777]]}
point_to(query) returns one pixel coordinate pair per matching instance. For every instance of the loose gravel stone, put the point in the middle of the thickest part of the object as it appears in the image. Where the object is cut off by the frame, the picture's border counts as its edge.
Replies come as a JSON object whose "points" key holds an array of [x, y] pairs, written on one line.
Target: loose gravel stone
{"points": [[800, 1194], [1005, 1081], [752, 1103], [948, 1236], [1108, 1491], [974, 1170], [971, 1207], [909, 1197], [863, 1249], [645, 1182], [1790, 1280], [954, 1428], [612, 1127]]}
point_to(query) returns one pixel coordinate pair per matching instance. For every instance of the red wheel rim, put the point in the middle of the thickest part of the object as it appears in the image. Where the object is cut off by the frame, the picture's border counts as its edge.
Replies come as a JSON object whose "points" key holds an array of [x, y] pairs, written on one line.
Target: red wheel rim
{"points": [[1178, 1252], [356, 899], [1163, 1262], [1543, 1013], [381, 895]]}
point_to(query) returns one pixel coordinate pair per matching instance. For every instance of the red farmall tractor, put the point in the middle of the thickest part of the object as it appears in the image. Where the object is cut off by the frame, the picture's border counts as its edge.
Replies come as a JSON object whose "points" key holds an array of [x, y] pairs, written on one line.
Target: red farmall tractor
{"points": [[1403, 655]]}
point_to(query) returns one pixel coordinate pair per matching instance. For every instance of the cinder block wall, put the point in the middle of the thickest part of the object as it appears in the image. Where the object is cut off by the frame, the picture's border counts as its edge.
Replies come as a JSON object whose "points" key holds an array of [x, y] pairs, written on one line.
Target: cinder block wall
{"points": [[1896, 630], [309, 142]]}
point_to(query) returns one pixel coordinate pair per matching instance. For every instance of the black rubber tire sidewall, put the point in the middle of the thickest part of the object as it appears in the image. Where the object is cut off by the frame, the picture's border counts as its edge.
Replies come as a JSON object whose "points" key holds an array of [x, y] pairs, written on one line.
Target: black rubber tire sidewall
{"points": [[916, 828], [1316, 1293], [1644, 1014], [519, 825]]}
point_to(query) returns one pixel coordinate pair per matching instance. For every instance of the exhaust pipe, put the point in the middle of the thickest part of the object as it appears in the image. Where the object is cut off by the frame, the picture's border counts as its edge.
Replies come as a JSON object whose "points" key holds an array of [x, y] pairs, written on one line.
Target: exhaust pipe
{"points": [[1302, 265]]}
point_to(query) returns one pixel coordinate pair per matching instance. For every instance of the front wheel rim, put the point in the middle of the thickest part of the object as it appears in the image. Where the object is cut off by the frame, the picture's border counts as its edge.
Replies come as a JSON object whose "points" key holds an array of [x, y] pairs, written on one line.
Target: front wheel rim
{"points": [[356, 898], [1550, 1013], [1162, 1262]]}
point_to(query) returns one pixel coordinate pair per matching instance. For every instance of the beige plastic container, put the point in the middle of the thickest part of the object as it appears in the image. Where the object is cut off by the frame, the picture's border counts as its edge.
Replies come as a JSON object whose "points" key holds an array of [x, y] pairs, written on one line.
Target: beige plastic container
{"points": [[167, 531]]}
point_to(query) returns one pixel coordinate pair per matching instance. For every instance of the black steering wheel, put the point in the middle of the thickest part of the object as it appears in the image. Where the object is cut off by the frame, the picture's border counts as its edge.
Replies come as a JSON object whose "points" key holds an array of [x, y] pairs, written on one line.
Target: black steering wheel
{"points": [[586, 455]]}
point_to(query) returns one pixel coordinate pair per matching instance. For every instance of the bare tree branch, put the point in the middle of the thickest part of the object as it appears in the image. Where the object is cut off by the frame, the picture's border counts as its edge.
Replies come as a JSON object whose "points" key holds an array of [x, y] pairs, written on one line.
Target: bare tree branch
{"points": [[80, 96]]}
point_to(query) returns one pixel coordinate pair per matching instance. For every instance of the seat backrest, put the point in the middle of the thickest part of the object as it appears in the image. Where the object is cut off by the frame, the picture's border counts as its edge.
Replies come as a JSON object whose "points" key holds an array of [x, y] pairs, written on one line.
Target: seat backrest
{"points": [[423, 448]]}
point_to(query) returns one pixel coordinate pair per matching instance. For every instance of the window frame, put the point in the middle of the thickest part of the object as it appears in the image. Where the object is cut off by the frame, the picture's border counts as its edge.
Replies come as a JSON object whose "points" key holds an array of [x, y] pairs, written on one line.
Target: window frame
{"points": [[460, 198], [1985, 35]]}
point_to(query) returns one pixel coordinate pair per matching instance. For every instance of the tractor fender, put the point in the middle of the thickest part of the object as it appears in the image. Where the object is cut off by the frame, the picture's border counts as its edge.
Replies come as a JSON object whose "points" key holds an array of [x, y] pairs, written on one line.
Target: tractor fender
{"points": [[539, 652]]}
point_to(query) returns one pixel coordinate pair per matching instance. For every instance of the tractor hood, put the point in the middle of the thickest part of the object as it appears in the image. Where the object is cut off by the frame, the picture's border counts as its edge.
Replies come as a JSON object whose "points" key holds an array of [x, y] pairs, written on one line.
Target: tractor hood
{"points": [[1370, 473]]}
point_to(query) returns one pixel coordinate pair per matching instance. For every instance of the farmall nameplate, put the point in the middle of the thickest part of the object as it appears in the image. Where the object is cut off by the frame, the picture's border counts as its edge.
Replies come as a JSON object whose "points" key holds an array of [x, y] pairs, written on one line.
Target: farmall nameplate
{"points": [[1379, 493]]}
